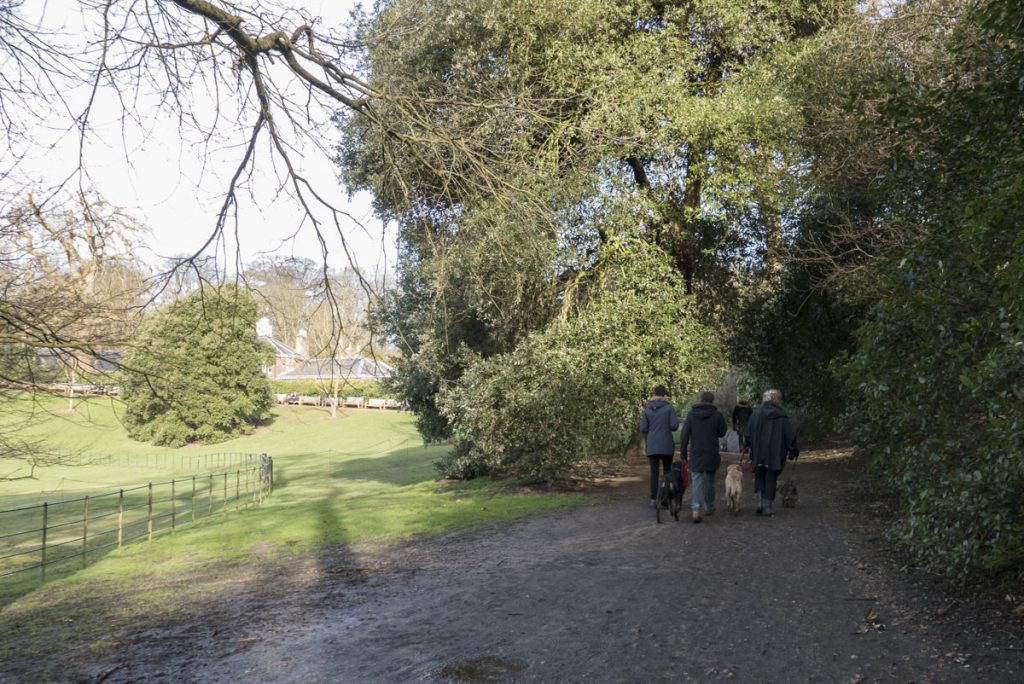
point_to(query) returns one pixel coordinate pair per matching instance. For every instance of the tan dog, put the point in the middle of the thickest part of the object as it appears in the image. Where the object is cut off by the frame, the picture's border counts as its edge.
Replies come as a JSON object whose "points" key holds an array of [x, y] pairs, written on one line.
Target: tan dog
{"points": [[733, 487]]}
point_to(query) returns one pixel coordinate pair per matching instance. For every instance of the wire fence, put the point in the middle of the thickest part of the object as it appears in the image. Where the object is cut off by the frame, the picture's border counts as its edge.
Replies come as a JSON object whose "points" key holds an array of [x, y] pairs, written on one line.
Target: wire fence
{"points": [[168, 461], [70, 533]]}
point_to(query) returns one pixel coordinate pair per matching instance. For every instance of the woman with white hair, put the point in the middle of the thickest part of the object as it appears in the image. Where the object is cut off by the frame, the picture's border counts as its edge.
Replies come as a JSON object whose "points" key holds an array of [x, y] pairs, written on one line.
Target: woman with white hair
{"points": [[770, 439]]}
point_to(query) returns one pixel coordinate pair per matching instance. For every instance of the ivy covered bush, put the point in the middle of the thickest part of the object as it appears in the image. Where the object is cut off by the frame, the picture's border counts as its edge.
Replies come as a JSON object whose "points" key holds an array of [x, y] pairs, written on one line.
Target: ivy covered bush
{"points": [[577, 387], [938, 388], [195, 372]]}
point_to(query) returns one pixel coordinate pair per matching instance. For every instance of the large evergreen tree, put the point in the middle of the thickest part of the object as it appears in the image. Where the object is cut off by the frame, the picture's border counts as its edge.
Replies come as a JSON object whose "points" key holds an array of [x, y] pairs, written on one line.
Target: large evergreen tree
{"points": [[600, 121], [195, 372]]}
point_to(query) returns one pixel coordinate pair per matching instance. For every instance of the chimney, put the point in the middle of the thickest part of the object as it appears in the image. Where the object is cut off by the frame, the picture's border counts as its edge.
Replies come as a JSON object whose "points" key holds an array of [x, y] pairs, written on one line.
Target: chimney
{"points": [[264, 327], [301, 345]]}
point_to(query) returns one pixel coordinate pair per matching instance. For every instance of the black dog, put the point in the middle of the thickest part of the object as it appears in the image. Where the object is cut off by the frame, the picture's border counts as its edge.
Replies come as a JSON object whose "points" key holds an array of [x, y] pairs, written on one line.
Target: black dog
{"points": [[670, 491]]}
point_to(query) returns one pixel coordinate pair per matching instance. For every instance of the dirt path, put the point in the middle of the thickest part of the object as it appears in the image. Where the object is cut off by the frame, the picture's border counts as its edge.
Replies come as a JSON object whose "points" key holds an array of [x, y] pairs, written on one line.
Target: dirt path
{"points": [[601, 593]]}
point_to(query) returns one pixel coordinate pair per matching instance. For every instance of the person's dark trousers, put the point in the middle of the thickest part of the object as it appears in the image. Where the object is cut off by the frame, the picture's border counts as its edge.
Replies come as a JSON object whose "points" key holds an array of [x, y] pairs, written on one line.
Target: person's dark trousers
{"points": [[764, 482], [666, 465]]}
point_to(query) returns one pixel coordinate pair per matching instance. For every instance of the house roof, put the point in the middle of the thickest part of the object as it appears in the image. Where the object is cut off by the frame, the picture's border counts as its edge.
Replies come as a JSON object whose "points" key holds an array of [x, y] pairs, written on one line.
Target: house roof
{"points": [[280, 348], [306, 368], [357, 368]]}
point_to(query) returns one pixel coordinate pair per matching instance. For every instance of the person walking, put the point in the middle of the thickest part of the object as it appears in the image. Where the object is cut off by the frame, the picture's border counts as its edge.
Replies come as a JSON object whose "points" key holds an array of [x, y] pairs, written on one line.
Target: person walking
{"points": [[770, 439], [703, 427], [741, 416], [658, 422]]}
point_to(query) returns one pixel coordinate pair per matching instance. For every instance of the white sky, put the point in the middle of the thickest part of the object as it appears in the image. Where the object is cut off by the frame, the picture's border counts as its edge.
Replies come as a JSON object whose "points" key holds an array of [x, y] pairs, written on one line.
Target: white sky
{"points": [[162, 182]]}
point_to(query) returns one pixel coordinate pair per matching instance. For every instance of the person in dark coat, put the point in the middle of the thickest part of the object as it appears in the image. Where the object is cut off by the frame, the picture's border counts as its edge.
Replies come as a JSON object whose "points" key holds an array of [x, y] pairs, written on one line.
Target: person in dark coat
{"points": [[702, 429], [741, 416], [770, 439], [658, 422]]}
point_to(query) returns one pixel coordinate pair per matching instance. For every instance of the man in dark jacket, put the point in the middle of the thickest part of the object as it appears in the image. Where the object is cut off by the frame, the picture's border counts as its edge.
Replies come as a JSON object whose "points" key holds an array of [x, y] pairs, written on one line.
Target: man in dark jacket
{"points": [[658, 422], [770, 438], [741, 416], [703, 427]]}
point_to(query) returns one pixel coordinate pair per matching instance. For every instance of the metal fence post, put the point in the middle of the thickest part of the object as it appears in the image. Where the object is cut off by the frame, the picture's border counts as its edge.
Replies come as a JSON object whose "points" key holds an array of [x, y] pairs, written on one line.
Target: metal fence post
{"points": [[225, 504], [85, 530], [46, 515], [209, 510], [149, 515], [193, 498], [266, 475], [174, 503], [120, 518], [238, 481]]}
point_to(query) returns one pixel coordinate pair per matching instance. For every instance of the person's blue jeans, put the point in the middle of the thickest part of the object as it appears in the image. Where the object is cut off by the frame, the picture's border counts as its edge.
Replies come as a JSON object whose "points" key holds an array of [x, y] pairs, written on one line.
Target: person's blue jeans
{"points": [[703, 490]]}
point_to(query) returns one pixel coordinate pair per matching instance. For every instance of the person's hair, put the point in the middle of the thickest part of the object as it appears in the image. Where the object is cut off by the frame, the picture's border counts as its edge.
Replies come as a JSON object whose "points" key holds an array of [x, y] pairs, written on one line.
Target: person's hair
{"points": [[707, 397], [772, 396], [660, 391]]}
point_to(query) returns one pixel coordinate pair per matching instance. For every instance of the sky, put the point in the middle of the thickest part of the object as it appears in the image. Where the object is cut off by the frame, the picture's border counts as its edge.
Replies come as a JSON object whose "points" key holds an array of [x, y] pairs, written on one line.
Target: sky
{"points": [[174, 185]]}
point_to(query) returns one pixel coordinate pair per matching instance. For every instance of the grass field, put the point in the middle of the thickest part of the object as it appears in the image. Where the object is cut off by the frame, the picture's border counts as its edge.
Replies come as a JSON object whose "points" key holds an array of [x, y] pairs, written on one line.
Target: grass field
{"points": [[364, 477]]}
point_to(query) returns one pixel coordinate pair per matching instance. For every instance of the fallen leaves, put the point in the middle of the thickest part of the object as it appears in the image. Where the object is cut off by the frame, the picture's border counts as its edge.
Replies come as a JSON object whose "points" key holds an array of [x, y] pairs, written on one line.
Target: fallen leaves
{"points": [[870, 623]]}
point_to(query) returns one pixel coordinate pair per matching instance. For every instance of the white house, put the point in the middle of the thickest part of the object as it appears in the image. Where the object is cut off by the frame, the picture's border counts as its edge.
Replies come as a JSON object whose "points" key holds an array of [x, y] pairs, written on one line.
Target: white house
{"points": [[293, 363]]}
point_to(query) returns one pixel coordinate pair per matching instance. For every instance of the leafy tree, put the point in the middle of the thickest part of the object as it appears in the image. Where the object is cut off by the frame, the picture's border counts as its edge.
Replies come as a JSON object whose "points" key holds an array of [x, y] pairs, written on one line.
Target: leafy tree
{"points": [[71, 296], [576, 388], [595, 119], [937, 369], [911, 225], [195, 373]]}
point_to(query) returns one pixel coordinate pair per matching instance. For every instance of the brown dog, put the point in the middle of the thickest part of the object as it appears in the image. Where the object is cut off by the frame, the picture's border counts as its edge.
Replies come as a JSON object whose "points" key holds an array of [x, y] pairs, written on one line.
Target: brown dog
{"points": [[789, 493], [733, 487]]}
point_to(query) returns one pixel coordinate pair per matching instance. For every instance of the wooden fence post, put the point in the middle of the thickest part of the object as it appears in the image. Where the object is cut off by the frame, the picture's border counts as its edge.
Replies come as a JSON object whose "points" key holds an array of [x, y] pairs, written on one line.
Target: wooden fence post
{"points": [[149, 516], [120, 518], [85, 530], [174, 503], [46, 515], [193, 498]]}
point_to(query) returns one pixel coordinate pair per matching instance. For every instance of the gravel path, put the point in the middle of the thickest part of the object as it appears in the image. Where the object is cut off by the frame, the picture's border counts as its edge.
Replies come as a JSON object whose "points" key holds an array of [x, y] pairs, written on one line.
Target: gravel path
{"points": [[602, 593]]}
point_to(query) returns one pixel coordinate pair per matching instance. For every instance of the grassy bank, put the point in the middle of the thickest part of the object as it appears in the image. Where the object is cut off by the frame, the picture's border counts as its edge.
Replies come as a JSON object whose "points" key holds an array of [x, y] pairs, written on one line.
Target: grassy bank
{"points": [[362, 478]]}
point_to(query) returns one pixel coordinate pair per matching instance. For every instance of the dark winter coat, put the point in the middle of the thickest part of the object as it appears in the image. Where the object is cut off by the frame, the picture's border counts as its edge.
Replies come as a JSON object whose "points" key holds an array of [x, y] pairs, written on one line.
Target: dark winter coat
{"points": [[658, 422], [740, 418], [771, 437], [703, 427]]}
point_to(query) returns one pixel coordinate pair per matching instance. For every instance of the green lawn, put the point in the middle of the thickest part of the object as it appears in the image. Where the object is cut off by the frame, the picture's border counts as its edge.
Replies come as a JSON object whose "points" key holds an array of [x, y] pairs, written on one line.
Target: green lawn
{"points": [[364, 477]]}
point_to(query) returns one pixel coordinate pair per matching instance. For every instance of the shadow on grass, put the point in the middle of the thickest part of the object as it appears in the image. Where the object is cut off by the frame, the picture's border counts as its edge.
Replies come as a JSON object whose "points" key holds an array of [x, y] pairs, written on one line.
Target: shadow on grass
{"points": [[280, 477], [405, 466]]}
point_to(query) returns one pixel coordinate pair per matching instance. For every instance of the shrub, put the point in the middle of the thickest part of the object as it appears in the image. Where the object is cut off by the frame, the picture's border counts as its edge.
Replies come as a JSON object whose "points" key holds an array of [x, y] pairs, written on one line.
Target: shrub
{"points": [[361, 388], [195, 372], [577, 387], [938, 378]]}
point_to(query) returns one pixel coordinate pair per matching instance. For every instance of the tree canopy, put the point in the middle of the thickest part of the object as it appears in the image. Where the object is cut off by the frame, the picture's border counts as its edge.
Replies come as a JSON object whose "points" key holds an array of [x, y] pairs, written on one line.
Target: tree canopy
{"points": [[195, 372]]}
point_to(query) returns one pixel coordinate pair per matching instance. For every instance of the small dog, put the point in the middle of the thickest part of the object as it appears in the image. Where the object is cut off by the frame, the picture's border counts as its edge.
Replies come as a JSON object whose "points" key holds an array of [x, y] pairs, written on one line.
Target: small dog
{"points": [[789, 494], [670, 491], [733, 487]]}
